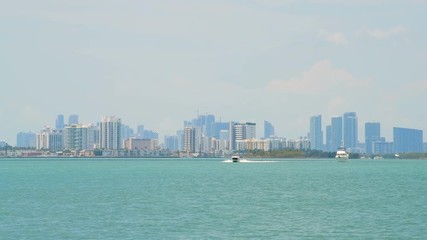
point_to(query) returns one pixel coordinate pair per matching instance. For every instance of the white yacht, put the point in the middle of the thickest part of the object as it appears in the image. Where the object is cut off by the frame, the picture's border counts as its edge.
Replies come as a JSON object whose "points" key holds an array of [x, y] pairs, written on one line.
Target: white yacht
{"points": [[342, 154]]}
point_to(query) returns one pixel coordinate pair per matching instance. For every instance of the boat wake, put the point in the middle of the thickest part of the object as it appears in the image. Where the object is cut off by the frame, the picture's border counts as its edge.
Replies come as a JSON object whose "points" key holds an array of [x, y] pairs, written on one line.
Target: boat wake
{"points": [[248, 161]]}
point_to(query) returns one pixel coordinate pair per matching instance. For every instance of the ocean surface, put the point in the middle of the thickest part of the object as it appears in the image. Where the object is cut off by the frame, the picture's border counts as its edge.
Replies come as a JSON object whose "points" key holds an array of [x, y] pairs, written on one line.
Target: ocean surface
{"points": [[210, 199]]}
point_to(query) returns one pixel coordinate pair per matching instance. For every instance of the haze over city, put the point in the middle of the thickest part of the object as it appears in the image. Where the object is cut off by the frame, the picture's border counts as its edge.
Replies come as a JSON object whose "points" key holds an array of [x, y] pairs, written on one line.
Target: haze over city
{"points": [[158, 63]]}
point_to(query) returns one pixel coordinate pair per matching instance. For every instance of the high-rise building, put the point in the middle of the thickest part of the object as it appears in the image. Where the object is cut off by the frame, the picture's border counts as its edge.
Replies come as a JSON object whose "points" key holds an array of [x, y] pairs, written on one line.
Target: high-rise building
{"points": [[204, 122], [208, 125], [49, 139], [110, 135], [372, 133], [329, 139], [171, 143], [140, 131], [217, 127], [127, 131], [148, 134], [93, 137], [250, 129], [26, 140], [140, 144], [336, 133], [268, 129], [316, 134], [380, 146], [407, 140], [76, 137], [350, 130], [241, 131], [59, 123], [73, 119], [192, 139], [181, 139]]}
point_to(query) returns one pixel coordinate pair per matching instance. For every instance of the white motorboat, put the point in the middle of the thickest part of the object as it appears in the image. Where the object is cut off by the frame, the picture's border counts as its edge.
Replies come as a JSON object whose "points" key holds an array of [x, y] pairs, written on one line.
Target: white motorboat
{"points": [[342, 155], [235, 158]]}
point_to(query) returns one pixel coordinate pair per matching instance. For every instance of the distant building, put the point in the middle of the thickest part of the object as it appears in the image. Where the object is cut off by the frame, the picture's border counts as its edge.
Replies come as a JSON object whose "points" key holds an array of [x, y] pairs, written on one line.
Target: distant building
{"points": [[241, 131], [171, 143], [204, 122], [268, 129], [75, 137], [336, 133], [224, 135], [59, 123], [192, 139], [180, 135], [252, 144], [73, 119], [277, 143], [407, 140], [110, 135], [140, 144], [350, 130], [49, 139], [218, 127], [328, 144], [372, 133], [301, 143], [380, 146], [26, 140], [148, 134], [93, 137], [140, 131], [316, 134], [127, 131]]}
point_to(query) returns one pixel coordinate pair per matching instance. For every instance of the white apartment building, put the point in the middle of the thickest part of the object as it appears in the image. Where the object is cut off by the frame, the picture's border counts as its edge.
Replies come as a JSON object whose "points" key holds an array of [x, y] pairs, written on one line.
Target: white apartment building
{"points": [[110, 136]]}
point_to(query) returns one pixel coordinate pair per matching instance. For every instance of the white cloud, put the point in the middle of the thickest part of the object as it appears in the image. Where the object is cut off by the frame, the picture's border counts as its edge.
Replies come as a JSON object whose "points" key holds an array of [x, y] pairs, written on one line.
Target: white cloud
{"points": [[333, 37], [321, 78], [382, 34]]}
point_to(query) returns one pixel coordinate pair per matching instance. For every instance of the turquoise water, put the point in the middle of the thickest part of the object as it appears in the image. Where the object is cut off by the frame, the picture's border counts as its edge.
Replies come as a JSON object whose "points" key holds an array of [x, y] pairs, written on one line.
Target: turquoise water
{"points": [[209, 199]]}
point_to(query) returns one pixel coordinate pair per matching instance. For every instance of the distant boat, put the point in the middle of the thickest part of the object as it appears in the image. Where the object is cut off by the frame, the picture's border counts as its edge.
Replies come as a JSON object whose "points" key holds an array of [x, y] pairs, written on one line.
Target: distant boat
{"points": [[342, 155], [235, 158]]}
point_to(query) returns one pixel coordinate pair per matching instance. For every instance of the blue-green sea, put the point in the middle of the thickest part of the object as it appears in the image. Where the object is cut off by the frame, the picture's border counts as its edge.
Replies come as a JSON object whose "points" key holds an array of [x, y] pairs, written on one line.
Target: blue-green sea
{"points": [[209, 199]]}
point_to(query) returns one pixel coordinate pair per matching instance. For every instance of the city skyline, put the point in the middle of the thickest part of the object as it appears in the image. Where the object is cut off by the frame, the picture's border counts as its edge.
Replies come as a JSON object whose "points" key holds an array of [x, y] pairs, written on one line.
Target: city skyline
{"points": [[156, 63], [340, 131]]}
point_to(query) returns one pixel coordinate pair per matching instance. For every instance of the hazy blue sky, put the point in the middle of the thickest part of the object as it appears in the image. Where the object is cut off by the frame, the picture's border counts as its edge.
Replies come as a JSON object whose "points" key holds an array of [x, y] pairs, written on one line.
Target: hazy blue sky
{"points": [[157, 62]]}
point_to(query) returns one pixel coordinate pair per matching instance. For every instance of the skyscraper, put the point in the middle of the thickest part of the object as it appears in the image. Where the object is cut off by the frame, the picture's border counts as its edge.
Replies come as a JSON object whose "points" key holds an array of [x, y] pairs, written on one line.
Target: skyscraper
{"points": [[171, 143], [329, 139], [110, 133], [268, 129], [350, 130], [49, 139], [204, 122], [73, 119], [241, 131], [59, 123], [336, 133], [372, 133], [316, 135], [191, 139], [217, 127], [26, 140], [407, 140], [140, 131], [75, 137]]}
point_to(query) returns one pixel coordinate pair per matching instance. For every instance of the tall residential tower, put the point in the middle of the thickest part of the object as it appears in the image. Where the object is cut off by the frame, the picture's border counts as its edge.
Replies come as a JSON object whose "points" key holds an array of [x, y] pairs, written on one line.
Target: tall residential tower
{"points": [[316, 134]]}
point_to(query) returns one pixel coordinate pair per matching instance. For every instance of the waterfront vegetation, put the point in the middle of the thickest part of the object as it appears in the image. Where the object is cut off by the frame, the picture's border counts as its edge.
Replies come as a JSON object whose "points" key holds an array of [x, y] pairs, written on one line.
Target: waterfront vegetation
{"points": [[288, 153]]}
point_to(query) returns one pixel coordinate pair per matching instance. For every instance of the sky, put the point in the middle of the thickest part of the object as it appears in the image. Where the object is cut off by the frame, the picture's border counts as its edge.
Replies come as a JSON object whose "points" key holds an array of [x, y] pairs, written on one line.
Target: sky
{"points": [[158, 63]]}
